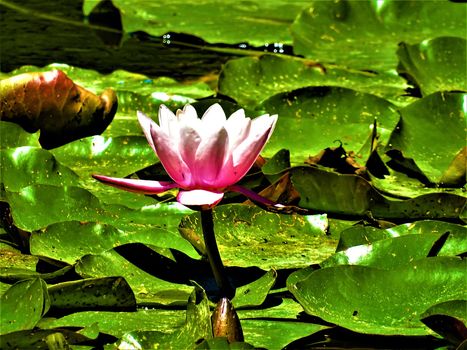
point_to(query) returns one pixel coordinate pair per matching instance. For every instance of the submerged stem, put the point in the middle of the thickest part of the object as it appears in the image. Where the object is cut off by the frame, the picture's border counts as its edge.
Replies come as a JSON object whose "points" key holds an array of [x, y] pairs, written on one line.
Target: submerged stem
{"points": [[218, 269]]}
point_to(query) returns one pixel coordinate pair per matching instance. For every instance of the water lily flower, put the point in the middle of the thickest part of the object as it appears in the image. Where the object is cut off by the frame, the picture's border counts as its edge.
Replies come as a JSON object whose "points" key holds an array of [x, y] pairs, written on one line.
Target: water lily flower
{"points": [[204, 157]]}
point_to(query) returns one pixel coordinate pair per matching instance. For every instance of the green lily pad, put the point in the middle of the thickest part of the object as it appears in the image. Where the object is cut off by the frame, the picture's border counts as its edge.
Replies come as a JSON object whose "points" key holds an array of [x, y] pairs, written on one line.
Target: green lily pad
{"points": [[119, 323], [254, 294], [287, 309], [44, 339], [12, 260], [386, 253], [251, 80], [435, 65], [23, 305], [279, 241], [101, 155], [376, 301], [148, 289], [319, 117], [36, 207], [455, 244], [196, 328], [255, 22], [25, 166], [94, 238], [448, 319], [13, 135], [432, 132], [98, 293], [365, 34], [276, 334], [351, 195]]}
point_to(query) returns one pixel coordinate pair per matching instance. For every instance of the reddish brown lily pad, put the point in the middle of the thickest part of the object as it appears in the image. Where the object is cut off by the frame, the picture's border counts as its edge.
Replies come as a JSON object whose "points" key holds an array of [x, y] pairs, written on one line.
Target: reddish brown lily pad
{"points": [[52, 103]]}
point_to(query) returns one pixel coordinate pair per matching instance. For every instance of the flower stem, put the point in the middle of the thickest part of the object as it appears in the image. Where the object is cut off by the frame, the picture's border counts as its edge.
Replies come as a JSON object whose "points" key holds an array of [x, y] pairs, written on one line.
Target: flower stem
{"points": [[218, 269]]}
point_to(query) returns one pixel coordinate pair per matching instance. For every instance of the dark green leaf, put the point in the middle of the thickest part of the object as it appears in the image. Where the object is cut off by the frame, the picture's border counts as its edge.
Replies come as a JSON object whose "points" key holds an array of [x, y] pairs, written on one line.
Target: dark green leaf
{"points": [[251, 80], [345, 295], [256, 22], [99, 293], [432, 132], [254, 294], [279, 241], [13, 135], [196, 329], [320, 117], [437, 64], [23, 305], [365, 34], [148, 289]]}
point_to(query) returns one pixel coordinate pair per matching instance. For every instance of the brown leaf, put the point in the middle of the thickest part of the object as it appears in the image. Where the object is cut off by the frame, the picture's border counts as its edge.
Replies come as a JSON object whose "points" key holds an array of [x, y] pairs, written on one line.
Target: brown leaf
{"points": [[455, 174], [337, 158], [52, 103]]}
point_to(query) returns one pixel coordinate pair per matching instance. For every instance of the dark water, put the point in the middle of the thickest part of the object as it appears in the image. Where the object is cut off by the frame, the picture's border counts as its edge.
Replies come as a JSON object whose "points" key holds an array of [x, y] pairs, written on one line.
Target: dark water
{"points": [[33, 39]]}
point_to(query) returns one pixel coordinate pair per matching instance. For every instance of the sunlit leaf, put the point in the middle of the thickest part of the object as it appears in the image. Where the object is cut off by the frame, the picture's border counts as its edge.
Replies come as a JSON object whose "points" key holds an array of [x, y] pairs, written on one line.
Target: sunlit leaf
{"points": [[343, 294], [279, 241], [255, 22], [23, 305], [436, 65], [365, 34], [148, 289]]}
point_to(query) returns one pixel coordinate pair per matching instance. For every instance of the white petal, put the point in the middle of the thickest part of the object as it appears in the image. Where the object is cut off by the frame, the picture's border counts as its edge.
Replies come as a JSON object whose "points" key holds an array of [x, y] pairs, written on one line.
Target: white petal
{"points": [[238, 127], [210, 157], [165, 117], [198, 198], [146, 123], [213, 119], [169, 155]]}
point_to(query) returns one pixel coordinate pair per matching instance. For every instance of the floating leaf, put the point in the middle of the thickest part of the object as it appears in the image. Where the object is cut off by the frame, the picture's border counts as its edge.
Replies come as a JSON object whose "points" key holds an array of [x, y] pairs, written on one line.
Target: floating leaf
{"points": [[196, 329], [254, 294], [386, 253], [351, 195], [148, 289], [25, 166], [94, 238], [320, 117], [279, 241], [99, 293], [52, 103], [43, 339], [436, 64], [432, 132], [455, 244], [13, 135], [449, 319], [342, 294], [255, 22], [365, 34], [119, 323], [23, 305], [251, 80]]}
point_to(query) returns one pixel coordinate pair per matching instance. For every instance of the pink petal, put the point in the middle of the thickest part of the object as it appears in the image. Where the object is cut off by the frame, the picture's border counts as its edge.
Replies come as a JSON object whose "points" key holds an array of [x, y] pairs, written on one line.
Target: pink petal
{"points": [[170, 157], [246, 153], [189, 143], [199, 198], [134, 185], [146, 123], [238, 127], [253, 196], [166, 119], [210, 157]]}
